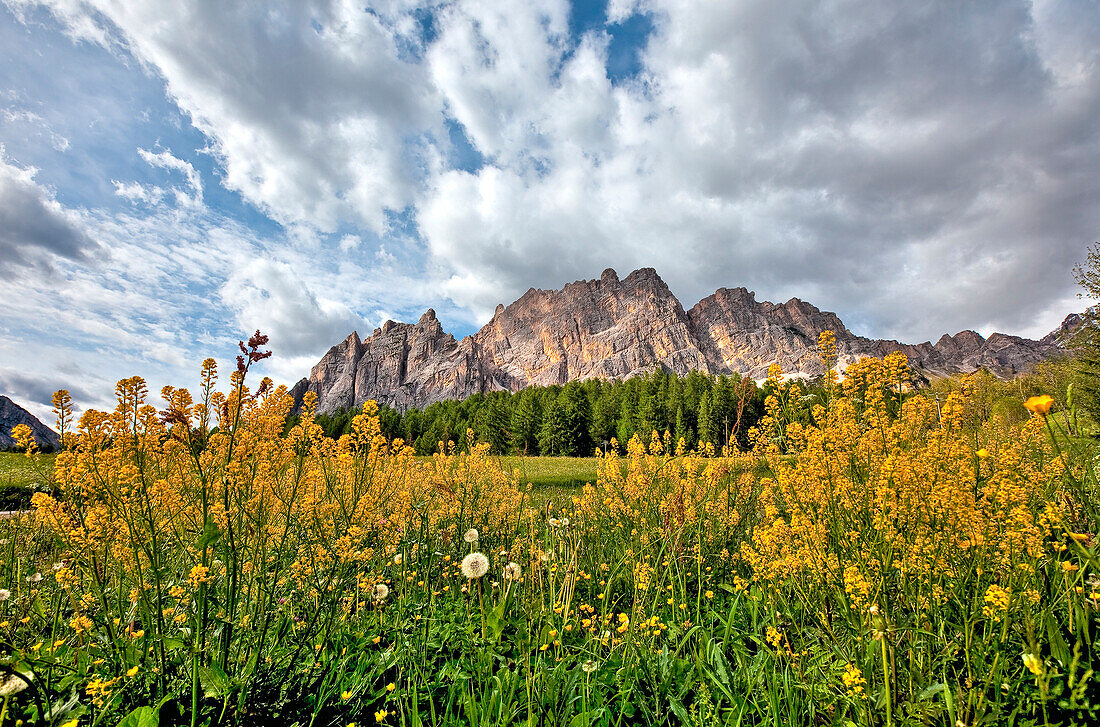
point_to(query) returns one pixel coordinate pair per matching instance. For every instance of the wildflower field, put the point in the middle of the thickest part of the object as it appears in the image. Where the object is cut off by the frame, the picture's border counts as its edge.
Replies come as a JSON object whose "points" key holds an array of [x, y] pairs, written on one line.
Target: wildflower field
{"points": [[880, 557]]}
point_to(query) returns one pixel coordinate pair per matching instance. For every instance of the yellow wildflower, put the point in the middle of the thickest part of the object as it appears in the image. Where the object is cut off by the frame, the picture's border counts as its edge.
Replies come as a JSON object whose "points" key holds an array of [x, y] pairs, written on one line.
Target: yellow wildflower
{"points": [[1039, 404]]}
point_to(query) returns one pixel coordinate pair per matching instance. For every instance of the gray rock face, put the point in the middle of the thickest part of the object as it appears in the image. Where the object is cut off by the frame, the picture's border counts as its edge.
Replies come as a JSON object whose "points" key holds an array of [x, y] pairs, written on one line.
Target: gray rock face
{"points": [[1061, 335], [12, 415], [612, 328]]}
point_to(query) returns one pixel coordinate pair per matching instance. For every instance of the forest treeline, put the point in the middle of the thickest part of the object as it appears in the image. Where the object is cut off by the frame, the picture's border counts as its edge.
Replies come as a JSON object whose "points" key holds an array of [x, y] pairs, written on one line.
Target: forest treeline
{"points": [[579, 417], [582, 416]]}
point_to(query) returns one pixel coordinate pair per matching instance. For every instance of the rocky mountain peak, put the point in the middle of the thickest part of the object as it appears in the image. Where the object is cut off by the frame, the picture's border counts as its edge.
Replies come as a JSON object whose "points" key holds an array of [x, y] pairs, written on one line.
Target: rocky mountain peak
{"points": [[12, 415], [1061, 335], [612, 328], [646, 278]]}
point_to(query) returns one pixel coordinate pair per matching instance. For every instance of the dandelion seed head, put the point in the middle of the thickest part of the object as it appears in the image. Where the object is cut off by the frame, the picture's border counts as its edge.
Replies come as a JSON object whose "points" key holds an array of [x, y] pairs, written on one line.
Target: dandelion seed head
{"points": [[475, 565], [13, 685]]}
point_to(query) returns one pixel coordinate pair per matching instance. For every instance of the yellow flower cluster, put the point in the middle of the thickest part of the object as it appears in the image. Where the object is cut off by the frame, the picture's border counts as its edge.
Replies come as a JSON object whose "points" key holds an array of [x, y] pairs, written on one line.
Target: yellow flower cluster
{"points": [[875, 489], [854, 683], [997, 600], [191, 535]]}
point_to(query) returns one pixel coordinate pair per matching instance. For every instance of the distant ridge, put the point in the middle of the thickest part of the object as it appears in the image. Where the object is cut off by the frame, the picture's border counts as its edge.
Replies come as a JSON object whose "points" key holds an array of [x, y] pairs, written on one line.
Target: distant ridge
{"points": [[12, 415], [612, 328]]}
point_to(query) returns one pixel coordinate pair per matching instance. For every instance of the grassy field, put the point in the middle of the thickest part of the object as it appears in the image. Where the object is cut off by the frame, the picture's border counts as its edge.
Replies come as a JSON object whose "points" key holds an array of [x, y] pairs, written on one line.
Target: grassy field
{"points": [[17, 470], [878, 562], [544, 473], [558, 472], [541, 472], [549, 472]]}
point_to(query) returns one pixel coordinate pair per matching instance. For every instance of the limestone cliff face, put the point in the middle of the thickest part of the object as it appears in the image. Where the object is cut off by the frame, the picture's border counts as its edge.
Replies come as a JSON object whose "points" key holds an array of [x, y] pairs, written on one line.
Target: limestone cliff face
{"points": [[12, 415], [400, 364], [612, 328], [747, 337], [603, 328]]}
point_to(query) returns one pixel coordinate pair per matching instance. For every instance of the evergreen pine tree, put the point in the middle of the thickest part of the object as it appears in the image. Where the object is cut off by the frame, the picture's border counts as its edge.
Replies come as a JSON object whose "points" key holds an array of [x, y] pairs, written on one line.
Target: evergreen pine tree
{"points": [[706, 421], [526, 423], [553, 432]]}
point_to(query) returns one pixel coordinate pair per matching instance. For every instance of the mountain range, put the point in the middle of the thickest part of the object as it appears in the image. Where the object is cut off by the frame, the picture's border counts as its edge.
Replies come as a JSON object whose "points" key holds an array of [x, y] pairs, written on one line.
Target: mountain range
{"points": [[617, 328], [12, 415]]}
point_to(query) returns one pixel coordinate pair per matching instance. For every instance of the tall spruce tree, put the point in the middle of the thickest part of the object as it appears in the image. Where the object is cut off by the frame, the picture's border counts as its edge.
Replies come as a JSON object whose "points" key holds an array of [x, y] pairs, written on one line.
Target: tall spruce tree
{"points": [[526, 423], [553, 434], [706, 431]]}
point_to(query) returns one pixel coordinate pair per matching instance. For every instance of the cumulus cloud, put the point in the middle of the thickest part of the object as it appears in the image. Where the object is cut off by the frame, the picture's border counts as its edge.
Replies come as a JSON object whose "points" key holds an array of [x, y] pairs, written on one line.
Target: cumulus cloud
{"points": [[268, 295], [308, 106], [917, 167], [34, 228]]}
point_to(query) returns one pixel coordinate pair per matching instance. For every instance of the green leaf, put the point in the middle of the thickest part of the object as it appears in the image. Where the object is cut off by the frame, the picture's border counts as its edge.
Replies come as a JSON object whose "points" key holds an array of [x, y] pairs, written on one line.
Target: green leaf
{"points": [[495, 621], [141, 717], [931, 691], [214, 681], [679, 710], [1058, 647], [210, 535]]}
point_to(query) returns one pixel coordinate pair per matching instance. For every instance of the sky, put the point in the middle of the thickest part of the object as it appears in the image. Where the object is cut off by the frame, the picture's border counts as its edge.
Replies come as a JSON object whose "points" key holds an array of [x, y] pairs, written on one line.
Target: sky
{"points": [[177, 174]]}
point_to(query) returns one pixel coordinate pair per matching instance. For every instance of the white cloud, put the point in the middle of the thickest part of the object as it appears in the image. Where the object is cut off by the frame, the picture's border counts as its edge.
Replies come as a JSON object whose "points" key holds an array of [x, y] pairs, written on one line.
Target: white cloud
{"points": [[269, 296], [139, 193], [190, 197], [18, 116], [915, 169], [917, 173], [306, 104], [35, 230]]}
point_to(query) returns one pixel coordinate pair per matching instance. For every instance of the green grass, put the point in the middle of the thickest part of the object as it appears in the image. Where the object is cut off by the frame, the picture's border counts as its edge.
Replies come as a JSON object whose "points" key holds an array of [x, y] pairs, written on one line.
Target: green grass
{"points": [[553, 472], [20, 476], [550, 472], [18, 469]]}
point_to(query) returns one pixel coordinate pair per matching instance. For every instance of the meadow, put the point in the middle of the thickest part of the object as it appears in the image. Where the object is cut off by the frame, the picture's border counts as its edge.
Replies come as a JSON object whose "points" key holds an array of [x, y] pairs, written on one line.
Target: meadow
{"points": [[21, 476], [877, 557]]}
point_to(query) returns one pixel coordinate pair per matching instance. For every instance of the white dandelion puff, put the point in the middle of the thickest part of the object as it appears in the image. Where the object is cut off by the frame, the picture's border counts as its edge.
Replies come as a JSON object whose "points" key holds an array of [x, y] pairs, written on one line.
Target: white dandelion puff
{"points": [[512, 571], [471, 535], [13, 684], [475, 565]]}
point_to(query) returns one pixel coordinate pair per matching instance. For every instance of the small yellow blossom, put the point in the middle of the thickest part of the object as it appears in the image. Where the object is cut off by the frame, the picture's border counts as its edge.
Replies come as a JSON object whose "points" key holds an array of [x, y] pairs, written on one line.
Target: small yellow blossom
{"points": [[1039, 404]]}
